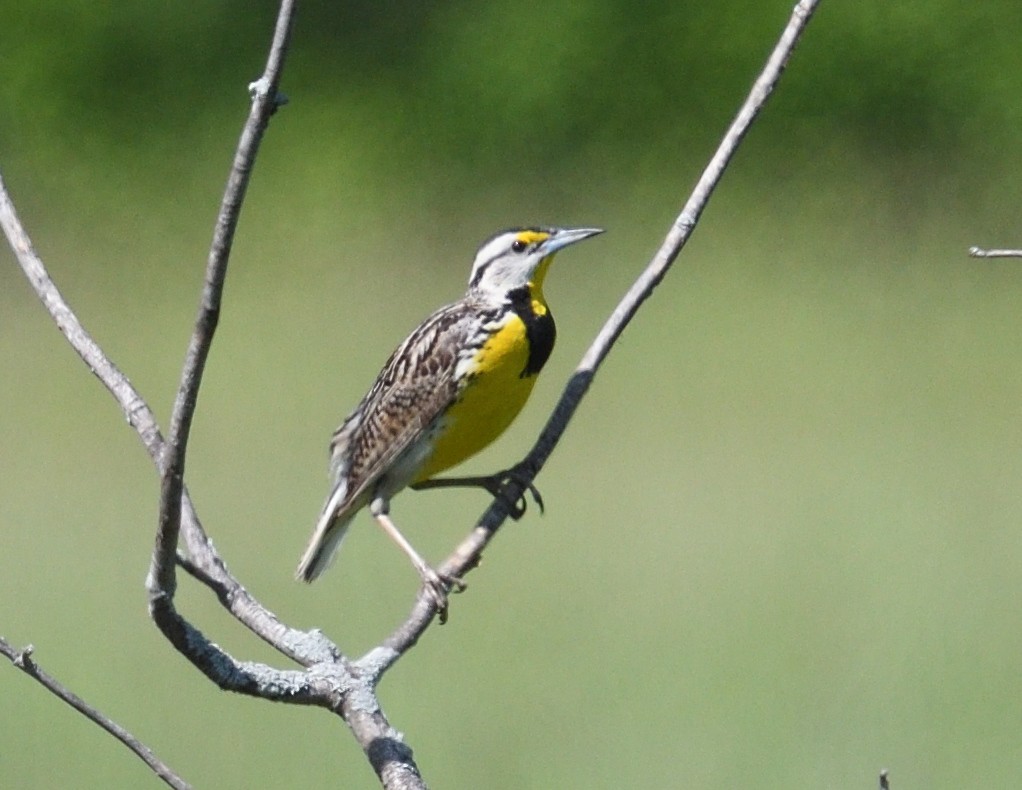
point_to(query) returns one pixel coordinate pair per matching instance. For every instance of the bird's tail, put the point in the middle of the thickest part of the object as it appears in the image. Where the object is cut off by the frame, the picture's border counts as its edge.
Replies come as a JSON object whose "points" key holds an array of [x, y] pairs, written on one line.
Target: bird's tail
{"points": [[326, 538]]}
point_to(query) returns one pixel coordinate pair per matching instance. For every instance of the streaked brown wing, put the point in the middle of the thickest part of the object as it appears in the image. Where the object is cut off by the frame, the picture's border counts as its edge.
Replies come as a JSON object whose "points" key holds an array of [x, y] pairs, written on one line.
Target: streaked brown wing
{"points": [[415, 386]]}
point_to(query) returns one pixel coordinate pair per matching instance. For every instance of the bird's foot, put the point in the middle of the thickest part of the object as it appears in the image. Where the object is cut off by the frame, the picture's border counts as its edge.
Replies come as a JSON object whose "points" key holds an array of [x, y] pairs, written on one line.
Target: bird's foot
{"points": [[518, 474], [437, 586], [495, 485]]}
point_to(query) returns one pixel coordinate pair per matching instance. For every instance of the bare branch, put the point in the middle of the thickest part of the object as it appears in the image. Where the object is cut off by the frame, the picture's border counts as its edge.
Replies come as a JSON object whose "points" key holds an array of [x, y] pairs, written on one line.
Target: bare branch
{"points": [[330, 679], [139, 415], [22, 659], [979, 252], [161, 580], [393, 763], [305, 647], [466, 555], [326, 685]]}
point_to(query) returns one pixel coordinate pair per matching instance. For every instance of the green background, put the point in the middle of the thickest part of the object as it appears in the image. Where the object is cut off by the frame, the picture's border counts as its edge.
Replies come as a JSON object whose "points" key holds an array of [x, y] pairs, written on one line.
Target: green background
{"points": [[782, 545]]}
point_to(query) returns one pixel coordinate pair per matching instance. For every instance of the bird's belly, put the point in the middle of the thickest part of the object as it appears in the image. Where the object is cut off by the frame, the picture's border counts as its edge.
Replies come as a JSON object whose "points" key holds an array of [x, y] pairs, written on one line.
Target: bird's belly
{"points": [[489, 402]]}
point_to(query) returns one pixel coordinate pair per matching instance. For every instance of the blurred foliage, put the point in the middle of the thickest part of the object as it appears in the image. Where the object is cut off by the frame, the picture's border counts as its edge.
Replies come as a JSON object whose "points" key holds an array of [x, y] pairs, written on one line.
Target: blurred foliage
{"points": [[782, 542]]}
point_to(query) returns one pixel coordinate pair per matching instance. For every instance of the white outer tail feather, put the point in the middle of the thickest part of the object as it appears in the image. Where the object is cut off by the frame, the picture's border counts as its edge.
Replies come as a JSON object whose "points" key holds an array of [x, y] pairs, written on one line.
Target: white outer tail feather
{"points": [[326, 539]]}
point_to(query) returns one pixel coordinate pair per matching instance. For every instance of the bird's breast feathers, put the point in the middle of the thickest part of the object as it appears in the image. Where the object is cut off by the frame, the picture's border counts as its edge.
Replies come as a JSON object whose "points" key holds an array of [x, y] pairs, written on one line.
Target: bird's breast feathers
{"points": [[453, 386], [495, 381]]}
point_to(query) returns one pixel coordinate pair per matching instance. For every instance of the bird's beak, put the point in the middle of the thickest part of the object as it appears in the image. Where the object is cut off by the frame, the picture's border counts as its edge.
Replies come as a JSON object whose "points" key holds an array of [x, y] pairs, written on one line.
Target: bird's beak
{"points": [[562, 237]]}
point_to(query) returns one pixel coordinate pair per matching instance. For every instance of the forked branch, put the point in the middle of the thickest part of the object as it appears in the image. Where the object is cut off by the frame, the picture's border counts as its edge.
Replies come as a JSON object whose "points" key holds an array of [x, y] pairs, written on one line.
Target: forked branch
{"points": [[330, 679]]}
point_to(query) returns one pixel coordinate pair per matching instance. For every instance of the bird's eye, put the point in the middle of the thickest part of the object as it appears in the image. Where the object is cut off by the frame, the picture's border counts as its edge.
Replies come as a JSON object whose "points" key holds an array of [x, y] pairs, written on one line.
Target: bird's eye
{"points": [[518, 245]]}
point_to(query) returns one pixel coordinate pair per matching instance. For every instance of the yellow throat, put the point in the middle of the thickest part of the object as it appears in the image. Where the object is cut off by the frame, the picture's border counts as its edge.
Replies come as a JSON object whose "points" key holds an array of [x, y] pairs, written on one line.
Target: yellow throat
{"points": [[500, 379]]}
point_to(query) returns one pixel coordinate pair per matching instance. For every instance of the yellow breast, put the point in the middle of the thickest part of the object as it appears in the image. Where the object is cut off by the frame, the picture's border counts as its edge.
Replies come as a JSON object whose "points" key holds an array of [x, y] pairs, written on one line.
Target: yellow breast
{"points": [[493, 396]]}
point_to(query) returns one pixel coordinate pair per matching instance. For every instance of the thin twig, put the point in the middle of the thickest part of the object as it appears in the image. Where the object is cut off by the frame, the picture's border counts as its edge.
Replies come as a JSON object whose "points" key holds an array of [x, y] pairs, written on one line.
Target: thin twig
{"points": [[310, 649], [467, 554], [161, 580], [330, 682], [23, 660], [303, 646], [306, 647], [264, 104], [979, 252]]}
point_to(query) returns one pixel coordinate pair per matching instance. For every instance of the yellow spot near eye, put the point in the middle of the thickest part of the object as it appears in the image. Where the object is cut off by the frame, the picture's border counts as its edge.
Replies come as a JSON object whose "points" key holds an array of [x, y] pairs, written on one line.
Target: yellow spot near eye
{"points": [[530, 236]]}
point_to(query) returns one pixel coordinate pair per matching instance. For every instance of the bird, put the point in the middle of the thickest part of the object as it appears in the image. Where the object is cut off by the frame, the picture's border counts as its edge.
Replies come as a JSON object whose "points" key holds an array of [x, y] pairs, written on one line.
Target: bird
{"points": [[449, 390]]}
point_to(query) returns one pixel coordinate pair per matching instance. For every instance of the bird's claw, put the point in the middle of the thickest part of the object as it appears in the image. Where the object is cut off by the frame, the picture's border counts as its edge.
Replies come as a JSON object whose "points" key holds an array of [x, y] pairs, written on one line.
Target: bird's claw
{"points": [[495, 485], [516, 508], [437, 587]]}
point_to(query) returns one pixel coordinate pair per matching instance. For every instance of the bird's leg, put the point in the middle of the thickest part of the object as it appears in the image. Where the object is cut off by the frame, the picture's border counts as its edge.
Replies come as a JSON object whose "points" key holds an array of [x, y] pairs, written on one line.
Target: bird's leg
{"points": [[494, 484], [437, 585]]}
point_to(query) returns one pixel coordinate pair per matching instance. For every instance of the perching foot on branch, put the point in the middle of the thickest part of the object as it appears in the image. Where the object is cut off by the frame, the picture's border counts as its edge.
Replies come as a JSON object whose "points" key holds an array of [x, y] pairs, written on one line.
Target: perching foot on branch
{"points": [[437, 586], [494, 484]]}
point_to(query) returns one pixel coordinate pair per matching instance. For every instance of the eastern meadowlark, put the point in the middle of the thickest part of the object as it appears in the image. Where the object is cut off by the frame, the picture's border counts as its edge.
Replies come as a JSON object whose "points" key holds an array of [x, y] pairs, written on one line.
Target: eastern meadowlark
{"points": [[452, 387]]}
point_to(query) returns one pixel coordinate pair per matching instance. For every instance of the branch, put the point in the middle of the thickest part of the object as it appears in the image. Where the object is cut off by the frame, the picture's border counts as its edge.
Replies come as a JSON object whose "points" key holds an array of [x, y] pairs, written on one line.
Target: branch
{"points": [[22, 659], [301, 646], [308, 648], [161, 581], [305, 647], [391, 759], [329, 684], [331, 680], [466, 556], [979, 252]]}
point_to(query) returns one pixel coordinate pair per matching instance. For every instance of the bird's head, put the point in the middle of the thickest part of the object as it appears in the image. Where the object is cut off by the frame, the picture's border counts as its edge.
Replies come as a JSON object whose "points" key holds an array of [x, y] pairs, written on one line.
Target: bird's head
{"points": [[520, 257]]}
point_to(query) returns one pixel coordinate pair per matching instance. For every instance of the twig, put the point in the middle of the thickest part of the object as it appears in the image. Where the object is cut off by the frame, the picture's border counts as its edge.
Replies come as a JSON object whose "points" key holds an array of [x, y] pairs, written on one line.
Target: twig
{"points": [[466, 555], [308, 648], [264, 103], [331, 682], [23, 660], [161, 579], [305, 647], [979, 252], [312, 649]]}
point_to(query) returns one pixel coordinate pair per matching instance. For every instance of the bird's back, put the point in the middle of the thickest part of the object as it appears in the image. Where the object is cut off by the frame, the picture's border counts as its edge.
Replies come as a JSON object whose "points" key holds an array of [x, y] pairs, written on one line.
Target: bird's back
{"points": [[416, 385]]}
